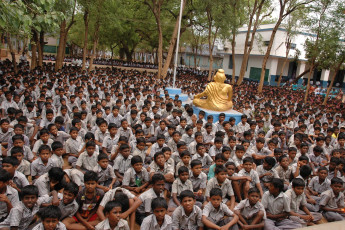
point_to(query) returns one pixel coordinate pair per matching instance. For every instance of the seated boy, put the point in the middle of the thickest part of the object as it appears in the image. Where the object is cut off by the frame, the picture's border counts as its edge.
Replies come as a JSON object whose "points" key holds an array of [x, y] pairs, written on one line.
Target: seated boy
{"points": [[57, 151], [252, 180], [66, 201], [142, 206], [43, 163], [106, 175], [88, 160], [122, 162], [267, 172], [332, 201], [217, 215], [88, 199], [201, 155], [187, 215], [251, 212], [112, 211], [24, 213], [277, 205], [50, 181], [50, 217], [219, 160], [9, 194], [199, 180], [180, 184], [24, 165], [299, 212], [159, 219], [319, 184], [222, 182], [18, 181], [136, 178]]}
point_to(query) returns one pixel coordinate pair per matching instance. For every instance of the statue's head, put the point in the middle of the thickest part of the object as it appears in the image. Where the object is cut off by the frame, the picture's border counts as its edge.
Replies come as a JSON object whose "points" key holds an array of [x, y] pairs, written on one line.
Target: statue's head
{"points": [[220, 76]]}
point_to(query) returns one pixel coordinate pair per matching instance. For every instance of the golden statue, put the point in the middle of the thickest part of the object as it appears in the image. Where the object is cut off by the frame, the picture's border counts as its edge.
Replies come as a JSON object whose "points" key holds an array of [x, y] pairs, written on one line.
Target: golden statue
{"points": [[219, 94]]}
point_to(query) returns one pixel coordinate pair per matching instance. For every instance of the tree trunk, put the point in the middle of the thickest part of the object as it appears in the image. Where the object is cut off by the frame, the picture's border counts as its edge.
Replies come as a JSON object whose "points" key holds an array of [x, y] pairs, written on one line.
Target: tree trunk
{"points": [[248, 47], [172, 45], [59, 55], [301, 75], [308, 85], [267, 55], [332, 82], [160, 48], [13, 53], [233, 42], [95, 43], [34, 42], [282, 71], [86, 26], [40, 49], [129, 54], [285, 60], [122, 53]]}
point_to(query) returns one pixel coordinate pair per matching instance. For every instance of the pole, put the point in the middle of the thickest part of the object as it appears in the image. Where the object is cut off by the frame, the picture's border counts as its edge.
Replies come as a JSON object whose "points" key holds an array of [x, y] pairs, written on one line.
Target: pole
{"points": [[177, 43]]}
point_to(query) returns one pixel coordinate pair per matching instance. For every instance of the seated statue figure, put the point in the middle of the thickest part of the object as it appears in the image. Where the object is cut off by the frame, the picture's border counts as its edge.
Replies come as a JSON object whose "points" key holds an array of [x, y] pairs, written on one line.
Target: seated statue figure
{"points": [[219, 94]]}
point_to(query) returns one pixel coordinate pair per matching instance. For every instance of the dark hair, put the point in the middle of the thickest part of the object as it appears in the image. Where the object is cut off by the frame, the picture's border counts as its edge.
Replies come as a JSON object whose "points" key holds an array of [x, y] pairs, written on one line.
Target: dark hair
{"points": [[305, 171], [270, 161], [157, 154], [253, 190], [123, 199], [4, 175], [160, 137], [185, 153], [336, 180], [90, 144], [282, 157], [17, 137], [216, 192], [29, 190], [157, 177], [248, 159], [298, 182], [219, 156], [72, 188], [102, 156], [56, 174], [90, 176], [195, 162], [219, 169], [50, 211], [182, 169], [16, 149], [110, 205], [239, 148], [57, 145], [317, 149], [303, 158], [43, 147], [123, 147], [187, 193], [159, 202], [218, 140], [334, 160], [136, 159], [230, 163], [322, 168], [11, 160], [277, 183]]}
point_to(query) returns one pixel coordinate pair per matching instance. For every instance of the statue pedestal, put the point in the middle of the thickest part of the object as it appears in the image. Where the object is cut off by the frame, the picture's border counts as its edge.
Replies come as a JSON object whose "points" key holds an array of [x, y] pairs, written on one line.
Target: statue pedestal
{"points": [[173, 91], [215, 114]]}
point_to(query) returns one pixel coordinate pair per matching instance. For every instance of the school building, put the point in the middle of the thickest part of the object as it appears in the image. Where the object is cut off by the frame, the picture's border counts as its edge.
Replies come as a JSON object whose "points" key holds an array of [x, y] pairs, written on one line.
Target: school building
{"points": [[297, 62]]}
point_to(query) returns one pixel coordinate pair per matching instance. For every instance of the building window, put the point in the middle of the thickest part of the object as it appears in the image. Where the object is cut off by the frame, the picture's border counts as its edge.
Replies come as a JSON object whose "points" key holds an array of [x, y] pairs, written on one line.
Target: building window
{"points": [[230, 62], [266, 43]]}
